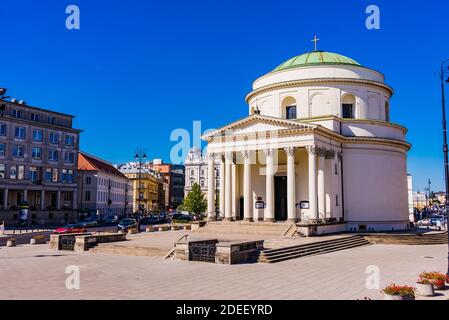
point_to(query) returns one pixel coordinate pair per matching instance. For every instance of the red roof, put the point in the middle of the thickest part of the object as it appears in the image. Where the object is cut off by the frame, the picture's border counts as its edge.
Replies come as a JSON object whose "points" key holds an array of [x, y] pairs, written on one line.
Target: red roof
{"points": [[88, 162]]}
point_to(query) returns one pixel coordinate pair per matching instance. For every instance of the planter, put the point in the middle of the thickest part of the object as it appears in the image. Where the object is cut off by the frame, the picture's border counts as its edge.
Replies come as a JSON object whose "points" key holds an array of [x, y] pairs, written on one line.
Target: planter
{"points": [[164, 228], [174, 228], [397, 297], [11, 243], [187, 227], [439, 285], [132, 231], [150, 229], [425, 289]]}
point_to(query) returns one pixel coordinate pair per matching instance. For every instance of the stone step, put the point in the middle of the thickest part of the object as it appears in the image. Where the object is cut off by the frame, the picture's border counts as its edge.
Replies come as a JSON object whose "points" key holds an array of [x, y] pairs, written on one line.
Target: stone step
{"points": [[306, 246], [313, 253], [281, 254]]}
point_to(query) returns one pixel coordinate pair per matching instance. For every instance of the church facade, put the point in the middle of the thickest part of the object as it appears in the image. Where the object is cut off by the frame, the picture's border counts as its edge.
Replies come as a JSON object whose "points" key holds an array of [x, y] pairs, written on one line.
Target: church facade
{"points": [[317, 148]]}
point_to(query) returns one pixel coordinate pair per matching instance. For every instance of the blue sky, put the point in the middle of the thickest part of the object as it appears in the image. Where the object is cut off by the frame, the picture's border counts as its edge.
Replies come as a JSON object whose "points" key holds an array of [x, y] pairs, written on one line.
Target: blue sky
{"points": [[137, 69]]}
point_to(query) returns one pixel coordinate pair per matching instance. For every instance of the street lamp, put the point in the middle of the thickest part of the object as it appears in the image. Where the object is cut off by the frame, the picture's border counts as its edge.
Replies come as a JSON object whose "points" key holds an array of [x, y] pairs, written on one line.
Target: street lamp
{"points": [[442, 75], [139, 156]]}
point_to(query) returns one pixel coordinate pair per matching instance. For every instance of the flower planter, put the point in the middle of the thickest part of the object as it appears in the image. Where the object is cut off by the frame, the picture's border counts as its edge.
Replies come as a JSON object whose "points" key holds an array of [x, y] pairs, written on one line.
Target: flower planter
{"points": [[11, 243], [397, 297], [439, 285], [425, 289], [150, 229], [38, 240]]}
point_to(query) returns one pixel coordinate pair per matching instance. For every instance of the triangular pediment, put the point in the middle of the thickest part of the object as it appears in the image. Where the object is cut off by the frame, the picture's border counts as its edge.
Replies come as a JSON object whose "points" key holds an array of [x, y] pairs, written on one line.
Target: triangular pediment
{"points": [[256, 124]]}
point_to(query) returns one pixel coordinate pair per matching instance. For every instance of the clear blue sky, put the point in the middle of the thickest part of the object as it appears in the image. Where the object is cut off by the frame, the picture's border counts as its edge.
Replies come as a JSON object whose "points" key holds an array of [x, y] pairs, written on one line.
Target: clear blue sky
{"points": [[138, 69]]}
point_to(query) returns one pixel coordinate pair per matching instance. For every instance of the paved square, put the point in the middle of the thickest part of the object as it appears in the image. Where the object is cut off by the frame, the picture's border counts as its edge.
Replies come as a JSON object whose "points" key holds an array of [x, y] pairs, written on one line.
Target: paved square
{"points": [[35, 272]]}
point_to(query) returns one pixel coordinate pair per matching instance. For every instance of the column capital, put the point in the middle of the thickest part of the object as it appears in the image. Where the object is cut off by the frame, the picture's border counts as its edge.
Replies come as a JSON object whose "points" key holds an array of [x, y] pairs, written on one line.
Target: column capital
{"points": [[290, 151], [315, 150], [246, 154], [329, 154], [268, 152], [229, 156], [211, 156]]}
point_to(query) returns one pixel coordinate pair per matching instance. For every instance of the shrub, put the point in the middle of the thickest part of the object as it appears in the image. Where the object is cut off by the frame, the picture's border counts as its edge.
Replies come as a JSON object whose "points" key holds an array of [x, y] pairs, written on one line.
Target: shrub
{"points": [[396, 290]]}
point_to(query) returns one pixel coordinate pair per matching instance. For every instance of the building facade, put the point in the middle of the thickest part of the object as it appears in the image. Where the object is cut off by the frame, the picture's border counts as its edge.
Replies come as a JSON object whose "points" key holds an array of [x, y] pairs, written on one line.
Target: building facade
{"points": [[38, 164], [149, 187], [196, 168], [103, 190], [318, 147], [175, 177]]}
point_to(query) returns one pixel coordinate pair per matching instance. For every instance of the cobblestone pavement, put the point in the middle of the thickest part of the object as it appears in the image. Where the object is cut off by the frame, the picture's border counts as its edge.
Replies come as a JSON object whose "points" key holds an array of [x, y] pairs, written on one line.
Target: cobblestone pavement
{"points": [[35, 272]]}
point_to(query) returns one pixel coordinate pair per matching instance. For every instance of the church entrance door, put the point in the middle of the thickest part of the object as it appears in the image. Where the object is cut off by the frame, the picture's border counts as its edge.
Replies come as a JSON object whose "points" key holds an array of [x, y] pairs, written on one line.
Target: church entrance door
{"points": [[280, 198]]}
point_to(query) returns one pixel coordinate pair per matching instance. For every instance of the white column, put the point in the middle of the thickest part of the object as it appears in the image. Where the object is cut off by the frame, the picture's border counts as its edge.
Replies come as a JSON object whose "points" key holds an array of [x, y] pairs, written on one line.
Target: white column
{"points": [[329, 178], [247, 196], [269, 193], [5, 199], [42, 199], [210, 187], [222, 186], [291, 184], [235, 214], [228, 186], [312, 182], [321, 194]]}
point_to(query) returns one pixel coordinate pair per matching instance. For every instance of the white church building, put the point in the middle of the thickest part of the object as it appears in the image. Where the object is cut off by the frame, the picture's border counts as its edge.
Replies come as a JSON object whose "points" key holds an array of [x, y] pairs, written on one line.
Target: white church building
{"points": [[317, 148]]}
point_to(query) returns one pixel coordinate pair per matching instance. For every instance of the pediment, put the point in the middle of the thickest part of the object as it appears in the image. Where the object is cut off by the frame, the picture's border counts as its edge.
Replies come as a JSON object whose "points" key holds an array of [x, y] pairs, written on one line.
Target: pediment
{"points": [[256, 124]]}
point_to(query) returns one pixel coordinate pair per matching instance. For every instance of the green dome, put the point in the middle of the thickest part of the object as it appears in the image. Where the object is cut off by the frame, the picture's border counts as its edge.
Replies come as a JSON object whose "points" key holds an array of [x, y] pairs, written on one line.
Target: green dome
{"points": [[316, 58]]}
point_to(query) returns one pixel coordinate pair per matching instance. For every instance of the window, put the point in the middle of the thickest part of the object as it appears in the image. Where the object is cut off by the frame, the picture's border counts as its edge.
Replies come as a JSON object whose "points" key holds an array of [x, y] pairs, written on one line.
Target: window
{"points": [[54, 138], [69, 140], [2, 129], [38, 135], [63, 175], [21, 172], [32, 174], [48, 174], [348, 111], [290, 112], [2, 171], [202, 172], [68, 157], [87, 196], [36, 153], [20, 133], [53, 155], [54, 175], [17, 113], [289, 108], [347, 106], [202, 183], [34, 117], [18, 151], [70, 176], [13, 173], [51, 120], [88, 180], [2, 149], [387, 111]]}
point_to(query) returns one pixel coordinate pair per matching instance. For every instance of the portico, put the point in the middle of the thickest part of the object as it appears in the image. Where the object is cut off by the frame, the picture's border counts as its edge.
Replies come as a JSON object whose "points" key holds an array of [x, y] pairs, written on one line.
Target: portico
{"points": [[285, 164]]}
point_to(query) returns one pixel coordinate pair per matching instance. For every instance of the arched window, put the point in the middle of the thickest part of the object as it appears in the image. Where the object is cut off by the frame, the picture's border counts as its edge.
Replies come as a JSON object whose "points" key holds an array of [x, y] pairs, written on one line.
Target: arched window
{"points": [[289, 108], [387, 111], [348, 106]]}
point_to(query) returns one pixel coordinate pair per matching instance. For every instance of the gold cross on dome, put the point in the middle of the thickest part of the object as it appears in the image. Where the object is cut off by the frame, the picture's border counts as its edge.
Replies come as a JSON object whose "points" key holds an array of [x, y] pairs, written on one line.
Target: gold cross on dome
{"points": [[315, 40]]}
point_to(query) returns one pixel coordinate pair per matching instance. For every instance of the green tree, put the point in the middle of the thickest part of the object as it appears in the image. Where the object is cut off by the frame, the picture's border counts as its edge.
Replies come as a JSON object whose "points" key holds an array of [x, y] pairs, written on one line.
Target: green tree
{"points": [[195, 201]]}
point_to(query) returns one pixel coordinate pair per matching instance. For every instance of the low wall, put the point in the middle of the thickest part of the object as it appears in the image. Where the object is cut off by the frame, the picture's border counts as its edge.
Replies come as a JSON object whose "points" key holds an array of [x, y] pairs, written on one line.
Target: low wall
{"points": [[212, 251], [65, 241], [85, 242], [316, 230], [238, 252]]}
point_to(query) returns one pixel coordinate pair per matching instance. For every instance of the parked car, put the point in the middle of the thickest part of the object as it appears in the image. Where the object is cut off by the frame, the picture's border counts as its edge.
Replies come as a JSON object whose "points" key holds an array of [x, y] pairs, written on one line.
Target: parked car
{"points": [[110, 220], [89, 222], [181, 217], [70, 228], [126, 224]]}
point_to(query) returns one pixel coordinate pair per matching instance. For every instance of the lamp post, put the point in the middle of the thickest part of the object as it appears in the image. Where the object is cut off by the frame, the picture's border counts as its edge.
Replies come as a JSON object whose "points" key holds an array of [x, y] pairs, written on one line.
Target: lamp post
{"points": [[442, 74], [139, 156]]}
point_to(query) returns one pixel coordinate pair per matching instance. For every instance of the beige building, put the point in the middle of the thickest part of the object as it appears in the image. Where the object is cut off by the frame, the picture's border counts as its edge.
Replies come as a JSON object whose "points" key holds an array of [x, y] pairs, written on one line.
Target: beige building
{"points": [[38, 164]]}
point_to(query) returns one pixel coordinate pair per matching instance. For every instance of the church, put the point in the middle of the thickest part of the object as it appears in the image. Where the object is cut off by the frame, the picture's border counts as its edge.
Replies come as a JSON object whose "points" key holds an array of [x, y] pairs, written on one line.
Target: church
{"points": [[318, 148]]}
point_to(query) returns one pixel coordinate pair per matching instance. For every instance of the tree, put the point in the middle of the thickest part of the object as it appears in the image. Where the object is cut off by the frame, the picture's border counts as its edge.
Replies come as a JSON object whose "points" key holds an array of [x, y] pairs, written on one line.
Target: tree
{"points": [[195, 202]]}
